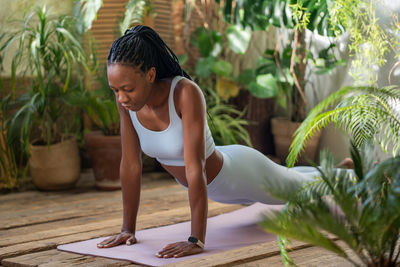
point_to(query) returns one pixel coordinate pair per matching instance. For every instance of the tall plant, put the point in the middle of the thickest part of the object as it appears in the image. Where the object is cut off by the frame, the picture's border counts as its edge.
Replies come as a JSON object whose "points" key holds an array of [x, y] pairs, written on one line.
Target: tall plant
{"points": [[10, 158], [215, 75], [365, 112], [296, 17], [362, 209], [48, 52]]}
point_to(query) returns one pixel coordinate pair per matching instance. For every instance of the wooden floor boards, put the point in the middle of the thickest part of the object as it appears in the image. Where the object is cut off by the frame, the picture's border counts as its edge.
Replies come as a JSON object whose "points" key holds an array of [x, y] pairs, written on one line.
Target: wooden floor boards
{"points": [[33, 223]]}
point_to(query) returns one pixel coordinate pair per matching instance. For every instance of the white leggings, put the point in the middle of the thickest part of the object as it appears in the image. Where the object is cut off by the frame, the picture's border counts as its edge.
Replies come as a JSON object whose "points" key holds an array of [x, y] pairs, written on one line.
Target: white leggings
{"points": [[248, 176]]}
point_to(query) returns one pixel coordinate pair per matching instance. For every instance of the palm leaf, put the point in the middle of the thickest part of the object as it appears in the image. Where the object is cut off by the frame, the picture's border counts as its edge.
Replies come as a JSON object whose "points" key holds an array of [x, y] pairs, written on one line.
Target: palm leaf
{"points": [[364, 112], [133, 14]]}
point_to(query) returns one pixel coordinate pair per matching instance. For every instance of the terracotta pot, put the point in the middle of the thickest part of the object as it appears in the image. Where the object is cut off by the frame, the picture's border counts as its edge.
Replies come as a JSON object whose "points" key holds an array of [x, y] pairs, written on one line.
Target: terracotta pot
{"points": [[57, 167], [105, 157], [283, 131]]}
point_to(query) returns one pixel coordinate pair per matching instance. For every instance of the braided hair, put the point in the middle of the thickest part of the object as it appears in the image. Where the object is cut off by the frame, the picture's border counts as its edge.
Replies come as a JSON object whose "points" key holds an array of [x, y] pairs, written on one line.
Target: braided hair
{"points": [[142, 47]]}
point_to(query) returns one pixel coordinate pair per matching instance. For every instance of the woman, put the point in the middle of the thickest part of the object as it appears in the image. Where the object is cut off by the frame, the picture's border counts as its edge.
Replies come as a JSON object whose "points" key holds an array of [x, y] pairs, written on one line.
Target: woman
{"points": [[163, 114]]}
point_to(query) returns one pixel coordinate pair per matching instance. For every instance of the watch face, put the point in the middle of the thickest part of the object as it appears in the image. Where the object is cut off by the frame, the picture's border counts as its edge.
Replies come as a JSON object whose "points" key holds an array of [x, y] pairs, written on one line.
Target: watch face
{"points": [[193, 239]]}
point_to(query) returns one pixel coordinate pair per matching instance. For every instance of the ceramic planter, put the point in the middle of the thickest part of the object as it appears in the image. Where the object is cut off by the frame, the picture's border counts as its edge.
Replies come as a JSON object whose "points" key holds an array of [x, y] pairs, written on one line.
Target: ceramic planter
{"points": [[56, 167], [105, 157]]}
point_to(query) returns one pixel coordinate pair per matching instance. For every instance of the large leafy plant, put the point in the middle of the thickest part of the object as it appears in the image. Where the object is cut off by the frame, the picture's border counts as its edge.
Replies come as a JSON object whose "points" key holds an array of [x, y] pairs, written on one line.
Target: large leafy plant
{"points": [[50, 55], [48, 63], [295, 17], [360, 208], [214, 65]]}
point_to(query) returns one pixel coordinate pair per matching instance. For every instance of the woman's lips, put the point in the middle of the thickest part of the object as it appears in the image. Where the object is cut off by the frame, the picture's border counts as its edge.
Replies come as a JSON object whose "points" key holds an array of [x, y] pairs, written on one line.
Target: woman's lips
{"points": [[127, 106]]}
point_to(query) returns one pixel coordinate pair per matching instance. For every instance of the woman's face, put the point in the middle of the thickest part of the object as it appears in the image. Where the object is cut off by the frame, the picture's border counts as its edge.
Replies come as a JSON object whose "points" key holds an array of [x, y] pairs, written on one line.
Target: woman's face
{"points": [[132, 87]]}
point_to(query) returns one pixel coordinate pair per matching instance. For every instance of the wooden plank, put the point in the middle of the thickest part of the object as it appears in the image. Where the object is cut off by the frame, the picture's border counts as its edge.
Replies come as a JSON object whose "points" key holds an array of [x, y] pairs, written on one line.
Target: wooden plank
{"points": [[85, 183], [310, 257], [47, 230], [58, 206], [227, 258], [156, 219], [58, 258]]}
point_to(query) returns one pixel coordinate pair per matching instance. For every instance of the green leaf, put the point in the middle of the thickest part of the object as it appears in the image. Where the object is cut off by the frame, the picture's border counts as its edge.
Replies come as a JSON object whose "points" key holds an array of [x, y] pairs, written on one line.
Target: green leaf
{"points": [[88, 12], [134, 10], [222, 68], [208, 42], [238, 39], [247, 76], [203, 66], [264, 87]]}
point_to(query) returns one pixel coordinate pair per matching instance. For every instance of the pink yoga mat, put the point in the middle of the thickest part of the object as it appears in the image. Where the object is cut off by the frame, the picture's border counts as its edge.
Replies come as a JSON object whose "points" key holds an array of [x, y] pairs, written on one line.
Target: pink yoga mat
{"points": [[224, 232]]}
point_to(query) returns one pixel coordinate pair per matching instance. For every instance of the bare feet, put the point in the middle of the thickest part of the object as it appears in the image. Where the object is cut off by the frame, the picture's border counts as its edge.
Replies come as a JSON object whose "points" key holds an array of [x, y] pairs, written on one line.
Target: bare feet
{"points": [[347, 163]]}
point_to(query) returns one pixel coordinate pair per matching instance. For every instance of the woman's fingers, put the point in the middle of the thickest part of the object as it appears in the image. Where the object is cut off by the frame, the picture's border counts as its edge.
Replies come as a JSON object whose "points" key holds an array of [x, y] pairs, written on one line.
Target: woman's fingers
{"points": [[117, 240], [179, 249], [106, 242], [131, 241]]}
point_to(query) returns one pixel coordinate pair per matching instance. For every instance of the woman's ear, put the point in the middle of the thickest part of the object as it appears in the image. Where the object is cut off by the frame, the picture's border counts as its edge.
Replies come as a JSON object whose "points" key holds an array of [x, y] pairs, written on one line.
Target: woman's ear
{"points": [[151, 75]]}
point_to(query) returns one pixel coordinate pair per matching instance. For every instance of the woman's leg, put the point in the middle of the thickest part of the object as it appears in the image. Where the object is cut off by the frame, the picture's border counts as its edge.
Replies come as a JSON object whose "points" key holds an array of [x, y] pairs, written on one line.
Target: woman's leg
{"points": [[248, 176]]}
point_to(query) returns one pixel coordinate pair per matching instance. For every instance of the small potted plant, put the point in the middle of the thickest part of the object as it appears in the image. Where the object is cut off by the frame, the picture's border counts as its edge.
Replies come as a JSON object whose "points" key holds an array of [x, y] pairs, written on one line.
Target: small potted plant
{"points": [[104, 142]]}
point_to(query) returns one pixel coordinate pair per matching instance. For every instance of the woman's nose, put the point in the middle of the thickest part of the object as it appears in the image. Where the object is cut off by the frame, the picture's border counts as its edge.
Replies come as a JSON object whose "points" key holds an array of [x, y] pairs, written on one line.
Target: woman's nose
{"points": [[122, 97]]}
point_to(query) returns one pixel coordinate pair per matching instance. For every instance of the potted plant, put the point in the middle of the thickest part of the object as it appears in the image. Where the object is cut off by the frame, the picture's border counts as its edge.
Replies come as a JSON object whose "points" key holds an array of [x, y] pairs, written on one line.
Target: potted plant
{"points": [[280, 72], [12, 170], [361, 209], [50, 55], [103, 143], [215, 76]]}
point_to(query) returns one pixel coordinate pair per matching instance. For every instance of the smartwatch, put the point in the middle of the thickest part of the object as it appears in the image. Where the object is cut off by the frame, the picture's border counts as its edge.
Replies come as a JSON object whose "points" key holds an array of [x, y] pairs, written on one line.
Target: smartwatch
{"points": [[196, 241]]}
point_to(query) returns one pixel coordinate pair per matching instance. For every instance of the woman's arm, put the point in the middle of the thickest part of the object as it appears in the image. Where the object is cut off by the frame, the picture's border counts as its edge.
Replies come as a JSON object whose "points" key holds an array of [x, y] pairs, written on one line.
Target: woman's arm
{"points": [[193, 110], [191, 105], [130, 175]]}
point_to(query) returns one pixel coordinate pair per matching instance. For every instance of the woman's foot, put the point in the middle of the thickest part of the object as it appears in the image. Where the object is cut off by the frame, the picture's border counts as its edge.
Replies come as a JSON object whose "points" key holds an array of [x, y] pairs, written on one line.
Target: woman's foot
{"points": [[347, 163]]}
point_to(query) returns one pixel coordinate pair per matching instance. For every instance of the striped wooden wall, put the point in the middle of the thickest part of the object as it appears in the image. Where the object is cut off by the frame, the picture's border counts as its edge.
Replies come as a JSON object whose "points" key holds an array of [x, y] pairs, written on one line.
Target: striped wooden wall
{"points": [[105, 28]]}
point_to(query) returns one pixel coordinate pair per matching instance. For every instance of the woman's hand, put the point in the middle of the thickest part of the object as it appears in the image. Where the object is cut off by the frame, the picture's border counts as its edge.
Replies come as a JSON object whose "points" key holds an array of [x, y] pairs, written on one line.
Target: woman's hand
{"points": [[179, 249], [124, 237]]}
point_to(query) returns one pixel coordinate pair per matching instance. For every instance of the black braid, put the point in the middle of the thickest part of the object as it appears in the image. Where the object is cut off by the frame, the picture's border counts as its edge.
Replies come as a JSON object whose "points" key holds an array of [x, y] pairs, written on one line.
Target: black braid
{"points": [[142, 47]]}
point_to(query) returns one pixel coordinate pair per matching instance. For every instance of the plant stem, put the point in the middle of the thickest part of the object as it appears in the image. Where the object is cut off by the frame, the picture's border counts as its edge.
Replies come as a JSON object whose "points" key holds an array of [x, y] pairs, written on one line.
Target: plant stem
{"points": [[276, 51], [292, 63]]}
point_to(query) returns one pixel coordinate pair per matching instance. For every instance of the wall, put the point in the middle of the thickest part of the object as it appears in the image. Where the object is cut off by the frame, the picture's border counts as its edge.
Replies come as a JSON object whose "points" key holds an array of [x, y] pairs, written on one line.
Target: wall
{"points": [[15, 9]]}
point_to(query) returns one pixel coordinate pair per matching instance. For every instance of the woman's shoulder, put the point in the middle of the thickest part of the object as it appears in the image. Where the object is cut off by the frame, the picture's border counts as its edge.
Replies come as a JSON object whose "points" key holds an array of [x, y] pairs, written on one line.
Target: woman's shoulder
{"points": [[187, 93], [187, 89]]}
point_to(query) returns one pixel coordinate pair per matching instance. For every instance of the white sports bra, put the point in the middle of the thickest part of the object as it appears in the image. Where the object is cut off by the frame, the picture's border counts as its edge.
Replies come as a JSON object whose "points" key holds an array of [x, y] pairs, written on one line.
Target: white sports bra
{"points": [[167, 145]]}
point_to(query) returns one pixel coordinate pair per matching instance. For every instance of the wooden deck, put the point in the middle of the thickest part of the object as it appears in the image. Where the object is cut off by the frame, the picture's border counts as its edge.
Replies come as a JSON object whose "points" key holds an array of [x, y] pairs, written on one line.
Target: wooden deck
{"points": [[33, 223]]}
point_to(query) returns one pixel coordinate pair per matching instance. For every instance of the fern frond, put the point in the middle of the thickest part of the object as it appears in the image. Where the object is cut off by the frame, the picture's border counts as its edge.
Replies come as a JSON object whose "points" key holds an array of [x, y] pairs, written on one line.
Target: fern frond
{"points": [[365, 113]]}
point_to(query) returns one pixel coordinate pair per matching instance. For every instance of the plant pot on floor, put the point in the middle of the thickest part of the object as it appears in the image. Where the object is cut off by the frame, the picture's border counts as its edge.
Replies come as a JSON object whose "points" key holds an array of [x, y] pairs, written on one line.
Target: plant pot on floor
{"points": [[105, 157], [55, 167], [283, 130]]}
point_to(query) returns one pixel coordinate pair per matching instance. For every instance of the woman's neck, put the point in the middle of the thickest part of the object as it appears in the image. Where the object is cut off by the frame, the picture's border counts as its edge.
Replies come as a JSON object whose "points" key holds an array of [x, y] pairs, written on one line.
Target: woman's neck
{"points": [[159, 93]]}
